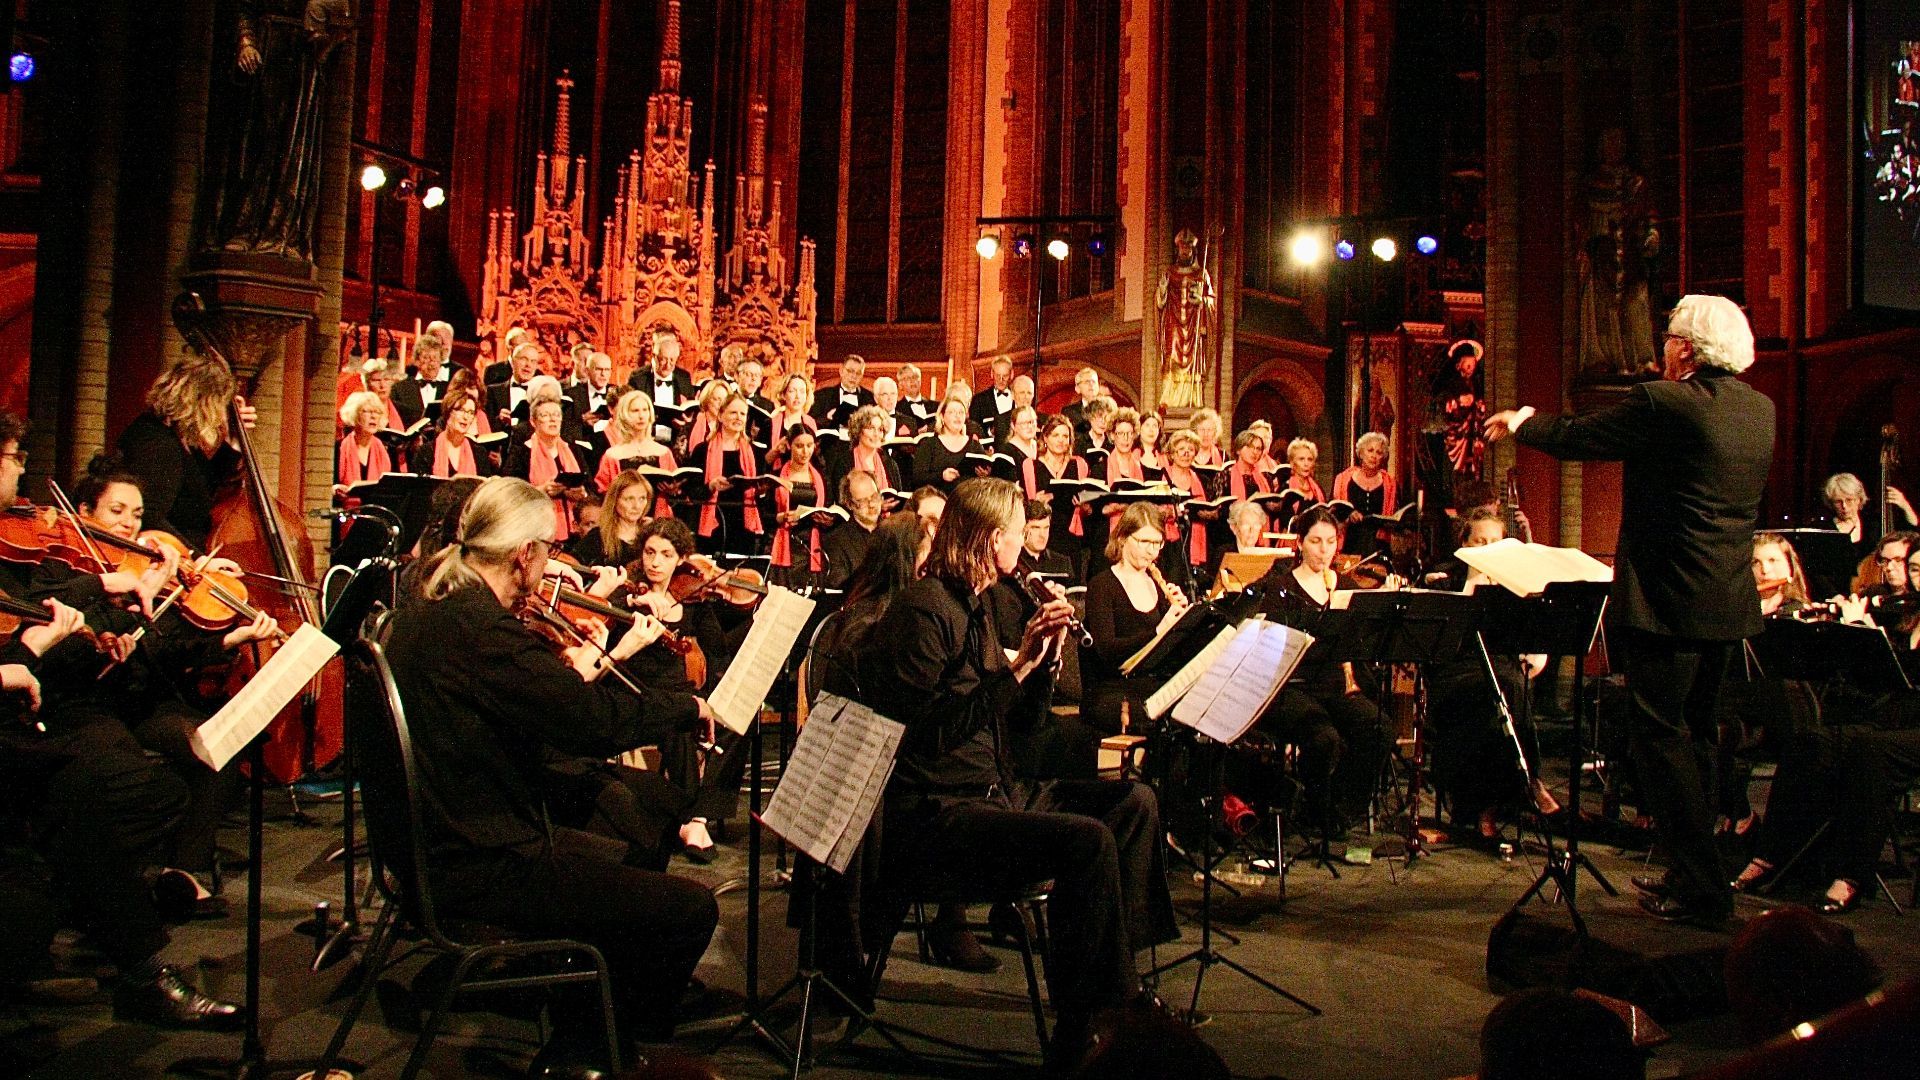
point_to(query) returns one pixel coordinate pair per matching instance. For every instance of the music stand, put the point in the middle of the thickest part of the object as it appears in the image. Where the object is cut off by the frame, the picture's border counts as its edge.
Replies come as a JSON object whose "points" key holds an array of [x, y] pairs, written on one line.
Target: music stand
{"points": [[1829, 557], [1830, 653], [1563, 620], [408, 496]]}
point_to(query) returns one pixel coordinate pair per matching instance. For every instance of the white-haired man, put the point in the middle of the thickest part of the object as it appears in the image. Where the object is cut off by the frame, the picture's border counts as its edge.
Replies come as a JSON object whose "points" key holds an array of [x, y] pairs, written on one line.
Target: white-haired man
{"points": [[1697, 446], [990, 408]]}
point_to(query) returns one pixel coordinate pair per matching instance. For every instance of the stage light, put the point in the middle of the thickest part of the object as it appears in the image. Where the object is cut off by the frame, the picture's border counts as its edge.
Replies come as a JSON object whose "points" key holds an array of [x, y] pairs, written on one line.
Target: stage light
{"points": [[404, 189], [1307, 248], [988, 245], [373, 178], [1059, 249], [20, 66], [1023, 245], [434, 197], [1426, 245], [1097, 245], [1344, 249], [1385, 249]]}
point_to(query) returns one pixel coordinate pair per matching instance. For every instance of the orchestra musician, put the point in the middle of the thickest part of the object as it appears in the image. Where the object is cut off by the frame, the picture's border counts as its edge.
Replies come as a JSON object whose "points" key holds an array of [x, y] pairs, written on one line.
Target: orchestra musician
{"points": [[1247, 525], [955, 822], [485, 697], [729, 519], [1057, 461], [1035, 557], [1697, 446], [546, 461], [1761, 711], [1128, 604], [846, 544], [1324, 709], [941, 460], [802, 487], [180, 447], [614, 540], [453, 451], [361, 455]]}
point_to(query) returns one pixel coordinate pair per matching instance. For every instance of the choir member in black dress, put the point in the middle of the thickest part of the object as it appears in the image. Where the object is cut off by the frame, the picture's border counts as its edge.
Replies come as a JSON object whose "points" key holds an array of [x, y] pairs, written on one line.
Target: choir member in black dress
{"points": [[1206, 425], [730, 519], [796, 397], [1153, 459], [180, 447], [548, 462], [941, 460], [1369, 487], [614, 540], [799, 548], [954, 820], [1023, 438], [1126, 607], [485, 698], [1057, 461], [1323, 709]]}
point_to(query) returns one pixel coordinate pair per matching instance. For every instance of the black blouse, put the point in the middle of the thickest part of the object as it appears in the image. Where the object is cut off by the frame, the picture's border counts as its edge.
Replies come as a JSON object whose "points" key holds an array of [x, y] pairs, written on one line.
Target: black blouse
{"points": [[1119, 630], [932, 459]]}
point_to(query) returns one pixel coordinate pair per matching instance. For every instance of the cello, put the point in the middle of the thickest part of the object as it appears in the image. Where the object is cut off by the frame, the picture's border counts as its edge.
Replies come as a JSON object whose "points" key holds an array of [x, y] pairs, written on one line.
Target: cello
{"points": [[253, 528]]}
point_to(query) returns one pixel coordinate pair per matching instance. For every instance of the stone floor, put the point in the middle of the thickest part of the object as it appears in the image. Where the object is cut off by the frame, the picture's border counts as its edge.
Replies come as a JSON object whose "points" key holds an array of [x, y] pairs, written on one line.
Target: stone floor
{"points": [[1394, 957]]}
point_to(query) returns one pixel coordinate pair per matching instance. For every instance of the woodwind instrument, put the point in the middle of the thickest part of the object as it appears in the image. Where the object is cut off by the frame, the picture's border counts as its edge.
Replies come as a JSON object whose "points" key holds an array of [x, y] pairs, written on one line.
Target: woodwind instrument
{"points": [[1167, 588]]}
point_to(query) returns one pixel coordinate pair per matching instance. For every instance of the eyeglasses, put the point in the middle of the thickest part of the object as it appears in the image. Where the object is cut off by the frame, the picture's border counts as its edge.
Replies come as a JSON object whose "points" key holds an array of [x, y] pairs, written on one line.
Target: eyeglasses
{"points": [[1889, 560], [1153, 542], [18, 457]]}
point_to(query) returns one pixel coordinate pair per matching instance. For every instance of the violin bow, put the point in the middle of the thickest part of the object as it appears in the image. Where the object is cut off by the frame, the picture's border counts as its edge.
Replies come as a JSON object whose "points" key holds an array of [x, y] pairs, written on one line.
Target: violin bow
{"points": [[64, 506], [546, 615]]}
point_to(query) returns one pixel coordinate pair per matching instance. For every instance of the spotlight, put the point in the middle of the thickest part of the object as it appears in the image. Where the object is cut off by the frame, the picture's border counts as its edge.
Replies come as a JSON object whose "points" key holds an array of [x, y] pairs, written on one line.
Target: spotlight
{"points": [[1059, 249], [1307, 248], [373, 178], [1344, 249], [1385, 249], [434, 197], [20, 66], [404, 189], [988, 245], [1023, 245], [1097, 245], [1426, 245]]}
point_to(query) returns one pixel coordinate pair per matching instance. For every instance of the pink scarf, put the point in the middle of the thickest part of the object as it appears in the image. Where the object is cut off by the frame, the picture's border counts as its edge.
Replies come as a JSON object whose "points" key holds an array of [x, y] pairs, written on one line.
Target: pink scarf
{"points": [[394, 422], [350, 472], [710, 511], [448, 462], [541, 469], [782, 420], [1238, 476], [1195, 487], [783, 540], [1030, 471], [610, 468], [873, 463], [1210, 457], [1344, 484]]}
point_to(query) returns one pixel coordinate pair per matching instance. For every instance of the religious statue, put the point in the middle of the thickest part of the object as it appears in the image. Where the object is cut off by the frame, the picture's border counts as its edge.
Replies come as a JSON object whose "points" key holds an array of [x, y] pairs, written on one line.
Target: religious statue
{"points": [[1460, 393], [1188, 306], [1618, 243], [269, 125]]}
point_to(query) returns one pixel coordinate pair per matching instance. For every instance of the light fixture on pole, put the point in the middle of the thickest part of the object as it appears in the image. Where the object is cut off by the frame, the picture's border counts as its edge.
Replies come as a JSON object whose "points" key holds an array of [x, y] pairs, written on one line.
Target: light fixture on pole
{"points": [[1385, 249], [988, 246], [1058, 234], [1059, 249], [1307, 248], [373, 177]]}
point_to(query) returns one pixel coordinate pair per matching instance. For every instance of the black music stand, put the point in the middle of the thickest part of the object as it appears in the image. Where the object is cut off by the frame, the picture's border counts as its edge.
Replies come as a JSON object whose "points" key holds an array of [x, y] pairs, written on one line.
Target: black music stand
{"points": [[1830, 654], [407, 496], [1828, 556], [1563, 620]]}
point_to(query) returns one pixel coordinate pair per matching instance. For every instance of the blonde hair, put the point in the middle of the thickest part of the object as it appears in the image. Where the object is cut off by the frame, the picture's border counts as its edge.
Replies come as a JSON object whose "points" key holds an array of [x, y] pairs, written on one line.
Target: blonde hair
{"points": [[805, 382], [360, 399], [610, 518], [1299, 444], [192, 398], [1135, 517], [1174, 440], [504, 515], [1205, 416], [618, 430], [963, 548]]}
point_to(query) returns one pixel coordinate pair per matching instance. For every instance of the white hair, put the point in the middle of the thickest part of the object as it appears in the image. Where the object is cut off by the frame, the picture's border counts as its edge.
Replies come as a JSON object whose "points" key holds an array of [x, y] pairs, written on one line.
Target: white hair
{"points": [[1717, 329], [1243, 509], [1845, 485], [504, 514], [360, 399]]}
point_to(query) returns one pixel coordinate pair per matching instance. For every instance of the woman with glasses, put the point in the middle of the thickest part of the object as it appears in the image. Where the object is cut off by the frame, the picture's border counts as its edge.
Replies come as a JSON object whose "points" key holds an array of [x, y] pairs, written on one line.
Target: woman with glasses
{"points": [[453, 452], [1126, 607]]}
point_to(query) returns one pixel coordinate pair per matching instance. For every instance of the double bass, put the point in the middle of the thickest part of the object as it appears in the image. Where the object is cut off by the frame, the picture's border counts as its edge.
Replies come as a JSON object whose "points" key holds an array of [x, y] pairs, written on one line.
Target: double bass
{"points": [[255, 529]]}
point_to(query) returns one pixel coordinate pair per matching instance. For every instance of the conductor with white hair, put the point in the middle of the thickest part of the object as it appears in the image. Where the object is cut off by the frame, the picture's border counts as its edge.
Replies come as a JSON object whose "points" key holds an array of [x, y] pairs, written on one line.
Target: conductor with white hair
{"points": [[1696, 445]]}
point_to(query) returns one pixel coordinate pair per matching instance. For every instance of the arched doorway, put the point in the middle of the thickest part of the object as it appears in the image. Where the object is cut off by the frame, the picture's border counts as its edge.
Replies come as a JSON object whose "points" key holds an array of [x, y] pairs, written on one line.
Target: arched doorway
{"points": [[1265, 401]]}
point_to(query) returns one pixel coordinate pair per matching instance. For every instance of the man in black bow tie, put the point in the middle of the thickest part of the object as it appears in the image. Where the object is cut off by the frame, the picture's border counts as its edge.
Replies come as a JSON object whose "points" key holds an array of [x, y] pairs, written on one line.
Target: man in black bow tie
{"points": [[992, 406], [663, 379], [507, 401], [831, 408]]}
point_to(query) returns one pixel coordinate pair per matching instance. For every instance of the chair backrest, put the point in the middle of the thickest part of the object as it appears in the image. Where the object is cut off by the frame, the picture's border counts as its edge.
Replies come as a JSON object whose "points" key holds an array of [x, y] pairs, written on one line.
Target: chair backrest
{"points": [[383, 762], [829, 662]]}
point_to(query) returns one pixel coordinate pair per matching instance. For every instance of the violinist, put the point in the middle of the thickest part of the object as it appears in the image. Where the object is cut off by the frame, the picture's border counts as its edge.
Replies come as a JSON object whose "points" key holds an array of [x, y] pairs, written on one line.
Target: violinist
{"points": [[799, 551], [453, 451], [730, 518], [361, 455], [1057, 461], [614, 540], [485, 696], [1127, 605], [181, 449], [941, 460], [543, 459], [1323, 709]]}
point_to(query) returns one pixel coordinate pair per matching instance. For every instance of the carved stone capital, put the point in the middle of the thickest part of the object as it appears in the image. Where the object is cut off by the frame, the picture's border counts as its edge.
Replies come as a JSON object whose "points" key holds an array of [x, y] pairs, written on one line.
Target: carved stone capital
{"points": [[244, 304]]}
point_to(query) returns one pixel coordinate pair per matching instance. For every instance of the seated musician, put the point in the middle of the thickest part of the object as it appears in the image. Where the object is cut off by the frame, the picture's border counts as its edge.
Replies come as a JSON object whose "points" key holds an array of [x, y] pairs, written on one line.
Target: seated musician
{"points": [[940, 461], [452, 452], [1128, 603], [361, 455], [614, 540], [1761, 712], [846, 543], [1247, 525], [729, 520], [1323, 709], [799, 549], [542, 458], [484, 696], [1885, 571], [955, 824]]}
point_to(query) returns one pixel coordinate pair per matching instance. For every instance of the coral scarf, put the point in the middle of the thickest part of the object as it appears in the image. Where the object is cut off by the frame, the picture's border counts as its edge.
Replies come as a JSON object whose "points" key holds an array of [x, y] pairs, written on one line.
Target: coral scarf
{"points": [[542, 467], [783, 540], [1195, 487], [710, 511], [448, 462], [352, 472]]}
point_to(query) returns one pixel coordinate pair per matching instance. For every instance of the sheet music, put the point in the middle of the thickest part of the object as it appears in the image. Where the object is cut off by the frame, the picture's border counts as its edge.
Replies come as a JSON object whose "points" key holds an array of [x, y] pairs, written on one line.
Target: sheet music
{"points": [[1277, 649], [1194, 706], [1527, 569], [228, 731], [777, 623], [833, 781], [1175, 688]]}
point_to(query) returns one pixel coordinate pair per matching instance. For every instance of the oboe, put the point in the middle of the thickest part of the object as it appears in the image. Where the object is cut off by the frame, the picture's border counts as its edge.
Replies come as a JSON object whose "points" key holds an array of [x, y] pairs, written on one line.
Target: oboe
{"points": [[1046, 592]]}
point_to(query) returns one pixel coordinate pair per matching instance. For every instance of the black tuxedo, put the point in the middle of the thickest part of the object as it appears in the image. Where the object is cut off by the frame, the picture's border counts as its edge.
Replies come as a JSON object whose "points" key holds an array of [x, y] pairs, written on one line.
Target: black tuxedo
{"points": [[1697, 454], [642, 379], [500, 397], [830, 411], [579, 393], [1076, 414], [990, 422], [498, 371], [407, 397]]}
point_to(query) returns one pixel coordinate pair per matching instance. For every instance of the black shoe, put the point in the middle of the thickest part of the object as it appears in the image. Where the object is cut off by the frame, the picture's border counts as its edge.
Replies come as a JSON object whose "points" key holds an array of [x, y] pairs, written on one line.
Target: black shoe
{"points": [[955, 947], [178, 896], [1754, 878], [1830, 906], [567, 1059], [166, 999], [700, 856], [1675, 910], [1650, 885]]}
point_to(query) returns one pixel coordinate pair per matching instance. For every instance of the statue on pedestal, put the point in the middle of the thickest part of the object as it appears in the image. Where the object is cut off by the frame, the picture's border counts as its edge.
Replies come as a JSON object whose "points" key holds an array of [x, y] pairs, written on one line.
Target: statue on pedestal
{"points": [[1189, 308], [1618, 244]]}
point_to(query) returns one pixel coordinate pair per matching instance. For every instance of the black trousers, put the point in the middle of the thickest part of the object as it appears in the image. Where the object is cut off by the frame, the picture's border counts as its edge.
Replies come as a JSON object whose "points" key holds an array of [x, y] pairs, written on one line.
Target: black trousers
{"points": [[1848, 780], [1097, 841], [1673, 689], [1474, 759], [637, 807], [651, 927], [168, 731], [1343, 743]]}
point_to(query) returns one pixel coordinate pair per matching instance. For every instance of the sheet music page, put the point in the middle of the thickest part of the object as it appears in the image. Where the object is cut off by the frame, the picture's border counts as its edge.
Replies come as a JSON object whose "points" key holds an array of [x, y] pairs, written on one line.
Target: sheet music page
{"points": [[777, 623], [1264, 669], [833, 781], [1194, 705], [1527, 569], [796, 811], [248, 713], [879, 743], [1175, 688]]}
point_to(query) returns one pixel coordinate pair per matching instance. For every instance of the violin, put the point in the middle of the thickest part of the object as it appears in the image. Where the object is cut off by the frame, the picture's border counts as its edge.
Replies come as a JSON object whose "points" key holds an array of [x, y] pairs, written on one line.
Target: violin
{"points": [[1367, 571], [578, 607], [699, 576]]}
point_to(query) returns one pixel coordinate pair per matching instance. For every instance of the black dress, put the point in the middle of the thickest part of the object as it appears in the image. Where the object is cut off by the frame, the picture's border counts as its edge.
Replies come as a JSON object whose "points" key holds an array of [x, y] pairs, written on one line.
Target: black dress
{"points": [[177, 483], [590, 549], [933, 459], [1119, 630]]}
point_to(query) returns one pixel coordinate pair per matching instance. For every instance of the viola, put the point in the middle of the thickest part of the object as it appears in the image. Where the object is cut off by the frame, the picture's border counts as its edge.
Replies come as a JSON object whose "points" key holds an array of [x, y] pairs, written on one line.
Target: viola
{"points": [[699, 576], [32, 534], [1367, 571], [577, 607]]}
